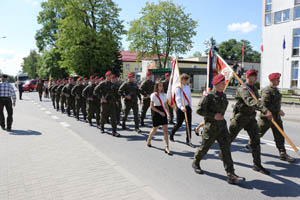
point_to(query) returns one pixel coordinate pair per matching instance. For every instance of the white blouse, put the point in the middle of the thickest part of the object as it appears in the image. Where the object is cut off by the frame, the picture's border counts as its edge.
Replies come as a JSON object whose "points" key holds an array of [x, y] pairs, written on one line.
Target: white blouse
{"points": [[155, 100]]}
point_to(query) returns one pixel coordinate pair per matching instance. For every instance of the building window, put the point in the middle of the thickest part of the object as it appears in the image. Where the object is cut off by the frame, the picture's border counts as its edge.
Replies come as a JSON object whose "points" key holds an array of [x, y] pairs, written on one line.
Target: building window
{"points": [[297, 2], [297, 12], [268, 5], [296, 42], [268, 19], [127, 67], [295, 72], [282, 16]]}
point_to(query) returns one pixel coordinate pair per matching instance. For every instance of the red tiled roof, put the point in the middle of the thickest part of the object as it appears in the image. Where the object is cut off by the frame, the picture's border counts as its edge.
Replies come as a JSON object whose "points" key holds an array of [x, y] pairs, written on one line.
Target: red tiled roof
{"points": [[128, 56]]}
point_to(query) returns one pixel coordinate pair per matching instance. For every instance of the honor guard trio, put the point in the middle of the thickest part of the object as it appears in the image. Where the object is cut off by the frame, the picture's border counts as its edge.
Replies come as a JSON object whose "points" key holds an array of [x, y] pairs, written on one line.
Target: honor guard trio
{"points": [[100, 99]]}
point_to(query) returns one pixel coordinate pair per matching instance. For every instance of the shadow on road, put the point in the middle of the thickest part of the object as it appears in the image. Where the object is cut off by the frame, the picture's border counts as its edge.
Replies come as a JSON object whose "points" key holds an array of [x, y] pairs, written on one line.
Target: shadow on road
{"points": [[23, 132]]}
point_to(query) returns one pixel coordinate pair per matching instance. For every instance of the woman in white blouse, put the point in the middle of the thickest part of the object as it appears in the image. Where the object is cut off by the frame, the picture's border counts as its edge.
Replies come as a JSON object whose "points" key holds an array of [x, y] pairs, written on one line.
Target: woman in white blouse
{"points": [[159, 110]]}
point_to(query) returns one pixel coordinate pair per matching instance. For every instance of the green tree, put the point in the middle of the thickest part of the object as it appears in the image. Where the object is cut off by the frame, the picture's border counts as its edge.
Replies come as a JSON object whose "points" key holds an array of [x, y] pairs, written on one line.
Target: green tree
{"points": [[162, 30], [89, 36], [31, 64], [197, 54], [232, 50]]}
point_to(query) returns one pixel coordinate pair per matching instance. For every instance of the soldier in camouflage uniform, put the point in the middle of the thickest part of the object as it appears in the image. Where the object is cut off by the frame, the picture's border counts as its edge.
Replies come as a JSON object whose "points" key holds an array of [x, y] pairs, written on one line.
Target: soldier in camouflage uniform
{"points": [[166, 85], [53, 92], [40, 88], [146, 89], [80, 102], [244, 117], [69, 98], [104, 91], [116, 87], [88, 94], [62, 96], [129, 90], [57, 94], [212, 108], [271, 99]]}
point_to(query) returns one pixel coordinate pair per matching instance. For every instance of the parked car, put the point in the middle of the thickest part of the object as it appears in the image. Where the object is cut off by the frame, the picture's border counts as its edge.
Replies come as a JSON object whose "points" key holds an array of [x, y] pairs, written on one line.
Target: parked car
{"points": [[30, 85]]}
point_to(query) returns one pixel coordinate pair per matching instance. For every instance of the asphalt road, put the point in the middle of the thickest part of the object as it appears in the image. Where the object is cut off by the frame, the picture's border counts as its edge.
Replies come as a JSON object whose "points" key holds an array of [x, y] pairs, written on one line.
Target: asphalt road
{"points": [[172, 176]]}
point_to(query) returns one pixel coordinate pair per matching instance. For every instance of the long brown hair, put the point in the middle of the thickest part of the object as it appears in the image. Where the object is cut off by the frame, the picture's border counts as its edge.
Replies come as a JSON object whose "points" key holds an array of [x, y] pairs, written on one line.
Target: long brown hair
{"points": [[156, 86]]}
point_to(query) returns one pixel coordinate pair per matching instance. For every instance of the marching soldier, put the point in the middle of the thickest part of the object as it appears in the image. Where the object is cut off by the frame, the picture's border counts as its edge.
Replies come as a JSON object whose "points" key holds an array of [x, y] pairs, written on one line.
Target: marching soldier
{"points": [[62, 95], [104, 91], [166, 85], [57, 94], [87, 93], [40, 88], [146, 89], [212, 108], [129, 90], [271, 99], [116, 87], [53, 92], [69, 97], [244, 118], [80, 102]]}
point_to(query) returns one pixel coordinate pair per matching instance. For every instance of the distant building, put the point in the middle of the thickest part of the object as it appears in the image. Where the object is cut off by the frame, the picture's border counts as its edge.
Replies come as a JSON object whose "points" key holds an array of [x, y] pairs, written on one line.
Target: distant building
{"points": [[281, 20]]}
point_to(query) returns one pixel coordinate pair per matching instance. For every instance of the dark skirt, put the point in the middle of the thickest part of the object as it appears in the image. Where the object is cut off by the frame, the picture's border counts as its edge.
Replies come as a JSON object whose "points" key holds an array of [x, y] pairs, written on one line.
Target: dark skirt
{"points": [[157, 119]]}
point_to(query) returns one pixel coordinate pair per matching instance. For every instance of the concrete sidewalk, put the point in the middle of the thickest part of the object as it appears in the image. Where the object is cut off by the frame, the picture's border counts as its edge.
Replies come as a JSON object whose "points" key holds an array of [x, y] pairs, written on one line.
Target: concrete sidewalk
{"points": [[43, 159]]}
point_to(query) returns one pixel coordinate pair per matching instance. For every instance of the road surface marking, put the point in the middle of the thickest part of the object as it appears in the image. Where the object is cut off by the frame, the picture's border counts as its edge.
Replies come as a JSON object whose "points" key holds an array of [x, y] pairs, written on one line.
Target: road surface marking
{"points": [[48, 112], [43, 108], [54, 117], [64, 124], [267, 142]]}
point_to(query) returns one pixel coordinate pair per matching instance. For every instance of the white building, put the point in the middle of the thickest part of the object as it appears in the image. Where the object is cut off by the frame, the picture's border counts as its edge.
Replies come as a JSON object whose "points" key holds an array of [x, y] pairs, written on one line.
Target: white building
{"points": [[281, 19]]}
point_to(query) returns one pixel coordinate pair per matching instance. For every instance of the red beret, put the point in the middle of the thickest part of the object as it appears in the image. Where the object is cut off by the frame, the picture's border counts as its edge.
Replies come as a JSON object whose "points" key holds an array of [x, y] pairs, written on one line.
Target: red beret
{"points": [[131, 74], [113, 76], [101, 78], [149, 73], [85, 78], [108, 73], [217, 79], [167, 74], [79, 79], [251, 72], [91, 77], [274, 76]]}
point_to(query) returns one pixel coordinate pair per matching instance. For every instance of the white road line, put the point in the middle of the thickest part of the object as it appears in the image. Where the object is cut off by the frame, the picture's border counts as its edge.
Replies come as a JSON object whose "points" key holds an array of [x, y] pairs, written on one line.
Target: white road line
{"points": [[34, 103], [54, 117], [43, 108], [48, 112], [267, 142], [64, 124]]}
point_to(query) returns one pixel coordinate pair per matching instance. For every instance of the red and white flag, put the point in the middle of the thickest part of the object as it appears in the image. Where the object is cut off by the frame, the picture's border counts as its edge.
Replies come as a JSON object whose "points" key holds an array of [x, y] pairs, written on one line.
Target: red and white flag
{"points": [[173, 83], [223, 68]]}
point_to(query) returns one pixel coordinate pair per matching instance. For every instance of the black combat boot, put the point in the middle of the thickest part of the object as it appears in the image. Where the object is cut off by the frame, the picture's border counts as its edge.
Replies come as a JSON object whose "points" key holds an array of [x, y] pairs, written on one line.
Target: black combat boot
{"points": [[197, 168], [172, 137], [102, 129], [284, 156], [138, 130], [115, 134], [232, 178], [123, 125], [91, 123], [261, 169]]}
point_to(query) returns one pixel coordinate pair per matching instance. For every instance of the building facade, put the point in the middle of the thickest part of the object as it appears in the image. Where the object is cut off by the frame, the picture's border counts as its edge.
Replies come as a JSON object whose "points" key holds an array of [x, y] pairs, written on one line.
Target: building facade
{"points": [[281, 42]]}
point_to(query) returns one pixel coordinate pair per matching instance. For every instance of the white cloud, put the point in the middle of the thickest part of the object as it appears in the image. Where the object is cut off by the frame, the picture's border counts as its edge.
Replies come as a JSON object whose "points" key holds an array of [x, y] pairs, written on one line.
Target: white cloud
{"points": [[245, 27], [32, 2], [11, 64], [6, 52]]}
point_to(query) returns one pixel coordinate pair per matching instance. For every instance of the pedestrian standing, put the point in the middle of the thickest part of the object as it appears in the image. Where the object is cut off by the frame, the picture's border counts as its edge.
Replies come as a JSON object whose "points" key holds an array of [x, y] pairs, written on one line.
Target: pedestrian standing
{"points": [[212, 108], [159, 111], [183, 100], [7, 100], [46, 89], [20, 88]]}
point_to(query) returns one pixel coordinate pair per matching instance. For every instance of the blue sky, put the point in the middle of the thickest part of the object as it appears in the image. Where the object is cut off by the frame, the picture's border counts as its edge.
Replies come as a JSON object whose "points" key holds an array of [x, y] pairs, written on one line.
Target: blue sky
{"points": [[222, 19]]}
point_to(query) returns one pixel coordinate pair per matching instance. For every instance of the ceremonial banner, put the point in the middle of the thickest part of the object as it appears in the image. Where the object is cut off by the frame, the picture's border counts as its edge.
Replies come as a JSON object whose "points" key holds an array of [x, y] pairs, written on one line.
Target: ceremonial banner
{"points": [[173, 83]]}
